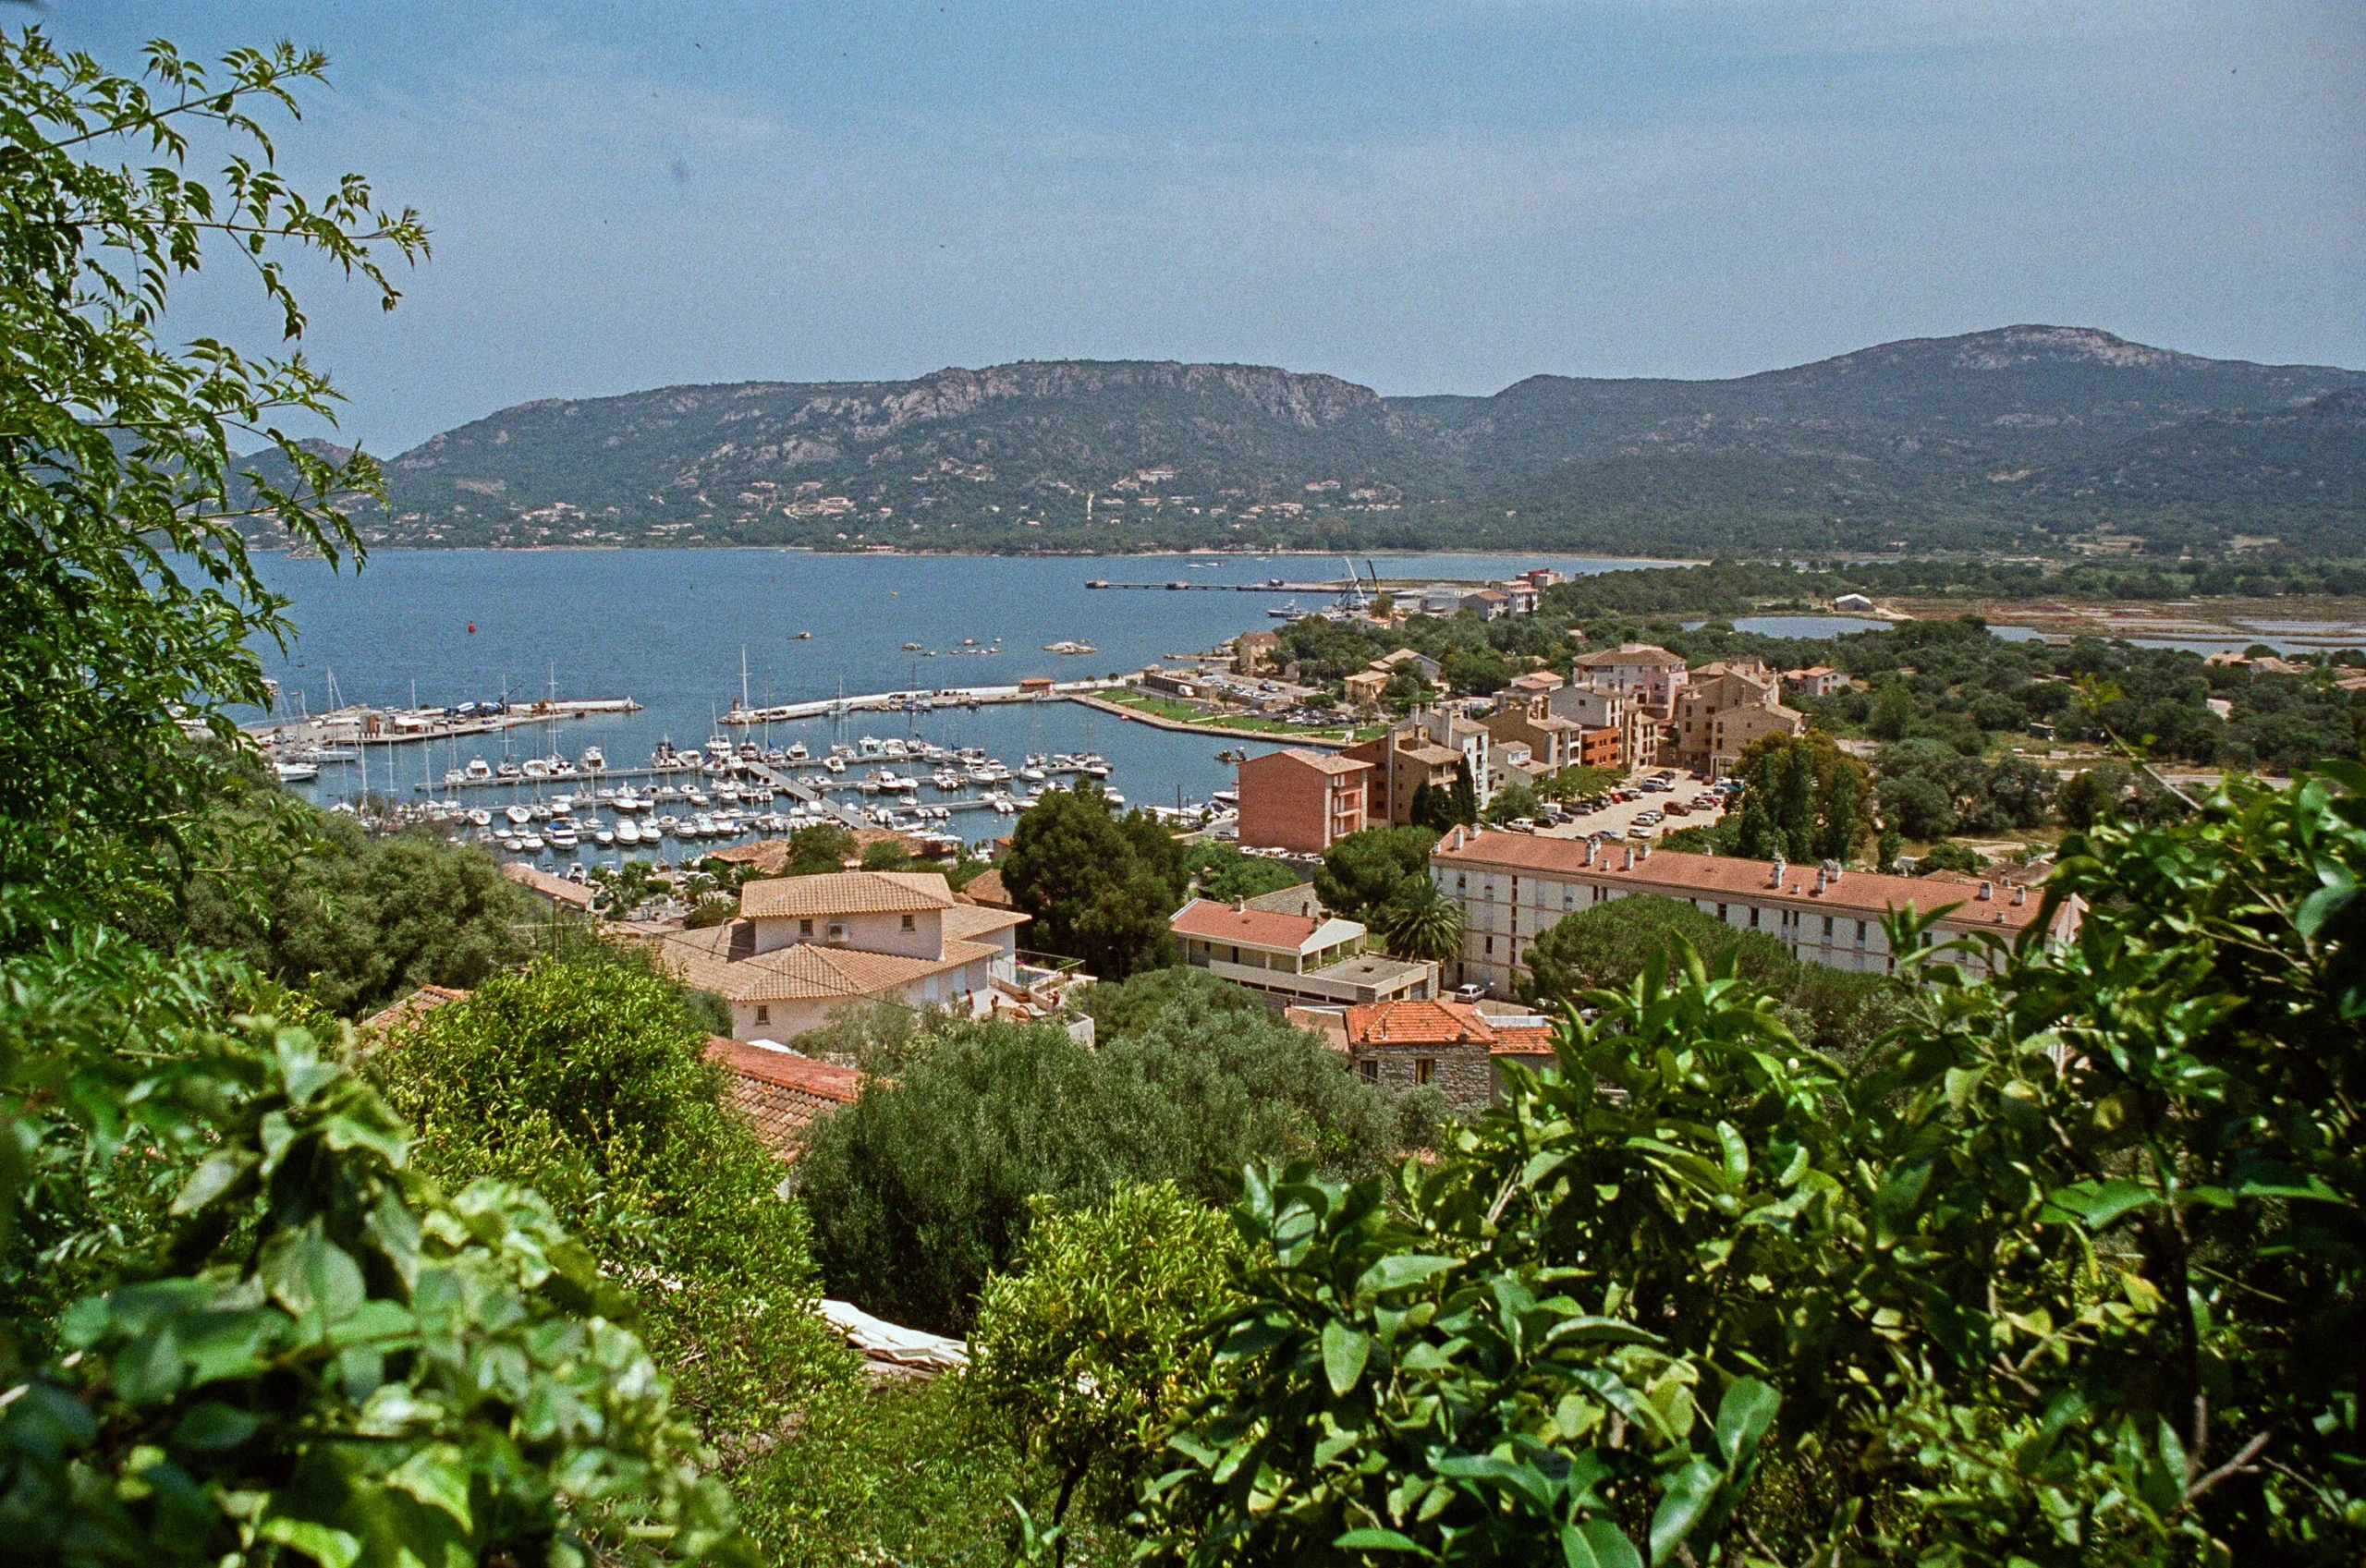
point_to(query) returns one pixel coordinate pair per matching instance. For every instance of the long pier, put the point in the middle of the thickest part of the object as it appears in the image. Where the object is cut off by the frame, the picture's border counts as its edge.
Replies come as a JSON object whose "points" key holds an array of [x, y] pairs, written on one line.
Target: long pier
{"points": [[1179, 586], [896, 701]]}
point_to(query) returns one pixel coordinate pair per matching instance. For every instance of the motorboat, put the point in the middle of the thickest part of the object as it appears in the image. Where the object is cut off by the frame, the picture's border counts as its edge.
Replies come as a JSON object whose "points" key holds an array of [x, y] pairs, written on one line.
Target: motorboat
{"points": [[594, 760], [507, 771], [478, 770], [797, 752], [521, 815], [628, 831], [481, 818], [535, 768], [297, 773], [453, 776], [835, 763], [1032, 773], [532, 844], [606, 839], [563, 836]]}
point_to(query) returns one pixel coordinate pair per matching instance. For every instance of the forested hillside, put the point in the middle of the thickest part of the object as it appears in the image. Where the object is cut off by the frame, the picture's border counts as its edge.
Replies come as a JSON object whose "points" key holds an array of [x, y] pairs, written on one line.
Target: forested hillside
{"points": [[2026, 437]]}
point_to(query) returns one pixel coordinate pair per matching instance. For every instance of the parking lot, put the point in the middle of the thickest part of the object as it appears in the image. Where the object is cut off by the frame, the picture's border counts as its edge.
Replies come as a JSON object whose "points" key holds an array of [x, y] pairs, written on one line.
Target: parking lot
{"points": [[1618, 816]]}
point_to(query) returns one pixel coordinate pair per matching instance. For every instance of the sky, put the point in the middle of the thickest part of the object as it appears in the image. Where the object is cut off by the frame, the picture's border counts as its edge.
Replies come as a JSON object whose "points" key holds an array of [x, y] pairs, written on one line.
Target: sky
{"points": [[1420, 196]]}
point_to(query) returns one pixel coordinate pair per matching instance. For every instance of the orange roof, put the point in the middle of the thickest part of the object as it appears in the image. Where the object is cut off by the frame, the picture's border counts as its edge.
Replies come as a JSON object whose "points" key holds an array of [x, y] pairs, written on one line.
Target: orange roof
{"points": [[986, 888], [972, 922], [1862, 894], [1212, 919], [1612, 658], [780, 1092], [845, 892], [423, 1001], [803, 971], [1319, 761], [1417, 1022], [558, 890]]}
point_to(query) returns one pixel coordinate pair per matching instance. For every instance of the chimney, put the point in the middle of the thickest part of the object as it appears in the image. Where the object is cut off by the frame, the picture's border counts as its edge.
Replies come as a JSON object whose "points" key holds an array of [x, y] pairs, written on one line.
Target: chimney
{"points": [[1988, 890], [743, 939], [1630, 858], [1240, 906], [1779, 869], [2020, 895], [1822, 879], [1591, 847], [1645, 852], [1835, 869]]}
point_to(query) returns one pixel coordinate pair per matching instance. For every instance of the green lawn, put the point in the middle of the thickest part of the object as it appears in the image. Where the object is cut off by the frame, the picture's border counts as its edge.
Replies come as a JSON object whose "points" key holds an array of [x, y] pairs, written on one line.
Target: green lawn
{"points": [[1190, 713]]}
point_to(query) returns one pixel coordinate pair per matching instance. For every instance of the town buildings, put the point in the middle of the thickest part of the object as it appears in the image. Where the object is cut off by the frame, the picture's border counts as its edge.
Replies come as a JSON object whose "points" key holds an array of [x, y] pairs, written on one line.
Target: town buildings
{"points": [[780, 1092], [1852, 604], [1641, 672], [1614, 730], [1290, 957], [1726, 706], [802, 946], [1512, 887], [1402, 761], [1302, 801], [1816, 680], [1451, 1046]]}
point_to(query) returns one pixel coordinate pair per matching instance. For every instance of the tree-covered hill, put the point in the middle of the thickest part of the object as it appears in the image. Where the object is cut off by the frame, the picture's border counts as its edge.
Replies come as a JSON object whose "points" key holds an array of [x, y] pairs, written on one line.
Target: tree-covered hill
{"points": [[2021, 437]]}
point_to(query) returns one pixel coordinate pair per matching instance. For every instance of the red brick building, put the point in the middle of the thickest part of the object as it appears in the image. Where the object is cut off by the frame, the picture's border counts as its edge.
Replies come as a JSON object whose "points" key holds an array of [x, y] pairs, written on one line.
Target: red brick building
{"points": [[1301, 800]]}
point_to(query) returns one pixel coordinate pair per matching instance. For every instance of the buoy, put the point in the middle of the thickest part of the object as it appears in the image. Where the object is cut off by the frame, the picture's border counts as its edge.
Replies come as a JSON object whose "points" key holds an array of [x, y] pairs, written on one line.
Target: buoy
{"points": [[472, 629]]}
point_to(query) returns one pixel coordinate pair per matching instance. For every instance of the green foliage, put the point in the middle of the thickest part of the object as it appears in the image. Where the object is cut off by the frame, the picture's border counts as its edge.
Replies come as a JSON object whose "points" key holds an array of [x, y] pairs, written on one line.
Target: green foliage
{"points": [[584, 1078], [1222, 871], [2066, 1271], [1421, 923], [2092, 796], [1928, 791], [1578, 782], [1810, 798], [1511, 803], [1099, 887], [313, 1348], [1093, 1344], [128, 598], [886, 855], [1949, 857], [1893, 713], [1363, 870], [825, 846], [920, 1189], [355, 921]]}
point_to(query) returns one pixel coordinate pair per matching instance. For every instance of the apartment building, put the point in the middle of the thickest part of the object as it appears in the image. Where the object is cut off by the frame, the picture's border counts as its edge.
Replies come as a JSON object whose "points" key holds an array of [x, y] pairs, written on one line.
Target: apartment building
{"points": [[1816, 680], [1421, 749], [1641, 671], [1725, 707], [1616, 731], [804, 945], [1301, 800], [1513, 887], [1553, 744]]}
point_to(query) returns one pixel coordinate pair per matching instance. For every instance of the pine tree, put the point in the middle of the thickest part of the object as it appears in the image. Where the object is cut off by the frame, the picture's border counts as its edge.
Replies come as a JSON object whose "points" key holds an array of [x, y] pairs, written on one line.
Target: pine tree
{"points": [[1837, 834]]}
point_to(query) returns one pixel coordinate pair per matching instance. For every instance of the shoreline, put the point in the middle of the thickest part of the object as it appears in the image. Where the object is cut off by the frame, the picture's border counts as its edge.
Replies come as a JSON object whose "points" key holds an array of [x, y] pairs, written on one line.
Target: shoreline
{"points": [[1640, 562]]}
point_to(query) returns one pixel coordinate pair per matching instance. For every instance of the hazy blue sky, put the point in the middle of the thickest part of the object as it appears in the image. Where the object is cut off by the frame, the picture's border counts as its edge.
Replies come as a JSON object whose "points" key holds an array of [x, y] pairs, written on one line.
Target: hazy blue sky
{"points": [[1440, 197]]}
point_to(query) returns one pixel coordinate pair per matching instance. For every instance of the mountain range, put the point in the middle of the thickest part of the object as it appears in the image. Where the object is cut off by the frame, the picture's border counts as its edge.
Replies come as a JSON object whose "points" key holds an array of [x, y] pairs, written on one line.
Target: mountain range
{"points": [[2026, 437]]}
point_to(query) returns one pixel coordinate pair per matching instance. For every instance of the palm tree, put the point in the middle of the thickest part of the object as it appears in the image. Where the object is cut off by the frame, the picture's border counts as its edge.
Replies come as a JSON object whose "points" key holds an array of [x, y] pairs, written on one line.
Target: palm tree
{"points": [[1421, 923]]}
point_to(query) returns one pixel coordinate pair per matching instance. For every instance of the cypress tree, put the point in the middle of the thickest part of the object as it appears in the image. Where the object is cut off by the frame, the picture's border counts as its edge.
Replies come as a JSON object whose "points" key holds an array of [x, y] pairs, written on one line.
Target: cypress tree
{"points": [[1466, 795], [1794, 806], [1836, 835]]}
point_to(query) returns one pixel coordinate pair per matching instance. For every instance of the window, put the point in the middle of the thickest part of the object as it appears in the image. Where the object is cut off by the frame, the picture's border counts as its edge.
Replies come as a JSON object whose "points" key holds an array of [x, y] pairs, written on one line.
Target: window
{"points": [[1569, 896], [1827, 927], [763, 1014], [1426, 1068], [1461, 882], [1369, 1068], [1753, 917], [804, 928], [1721, 912], [1491, 946], [1860, 933], [908, 922], [837, 931]]}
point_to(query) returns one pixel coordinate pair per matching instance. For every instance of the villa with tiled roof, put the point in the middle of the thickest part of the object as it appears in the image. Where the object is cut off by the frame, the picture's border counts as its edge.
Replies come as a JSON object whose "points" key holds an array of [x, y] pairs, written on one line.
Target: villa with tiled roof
{"points": [[802, 946], [780, 1092]]}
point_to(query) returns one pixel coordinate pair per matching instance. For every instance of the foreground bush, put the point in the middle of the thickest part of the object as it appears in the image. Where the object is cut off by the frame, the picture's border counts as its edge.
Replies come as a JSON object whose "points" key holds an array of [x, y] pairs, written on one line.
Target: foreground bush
{"points": [[2067, 1270], [584, 1078]]}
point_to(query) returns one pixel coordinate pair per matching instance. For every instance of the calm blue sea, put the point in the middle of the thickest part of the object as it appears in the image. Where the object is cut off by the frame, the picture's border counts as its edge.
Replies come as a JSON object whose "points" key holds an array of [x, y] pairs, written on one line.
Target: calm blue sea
{"points": [[667, 628]]}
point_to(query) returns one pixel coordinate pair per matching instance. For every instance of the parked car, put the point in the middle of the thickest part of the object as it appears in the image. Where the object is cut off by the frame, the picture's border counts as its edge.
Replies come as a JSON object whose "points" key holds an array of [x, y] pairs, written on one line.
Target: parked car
{"points": [[1639, 833], [1678, 808], [1469, 993]]}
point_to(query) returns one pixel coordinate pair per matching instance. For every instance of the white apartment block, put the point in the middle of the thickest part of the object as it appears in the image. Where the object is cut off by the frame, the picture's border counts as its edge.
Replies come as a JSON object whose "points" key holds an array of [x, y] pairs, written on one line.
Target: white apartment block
{"points": [[1513, 887]]}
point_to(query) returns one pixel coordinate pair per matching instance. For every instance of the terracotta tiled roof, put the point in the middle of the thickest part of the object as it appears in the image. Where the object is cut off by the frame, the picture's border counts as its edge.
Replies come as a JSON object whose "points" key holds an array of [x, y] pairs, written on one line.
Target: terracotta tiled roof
{"points": [[845, 892], [558, 890], [803, 972], [1520, 1038], [412, 1008], [1213, 920], [780, 1092], [1862, 894], [1631, 658], [974, 922], [1319, 761], [986, 888], [1417, 1022], [769, 856]]}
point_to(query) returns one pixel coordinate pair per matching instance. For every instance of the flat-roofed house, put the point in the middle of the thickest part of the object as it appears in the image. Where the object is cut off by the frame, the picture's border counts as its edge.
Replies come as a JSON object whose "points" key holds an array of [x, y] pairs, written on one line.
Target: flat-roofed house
{"points": [[1301, 800], [1293, 958], [802, 946], [1512, 887]]}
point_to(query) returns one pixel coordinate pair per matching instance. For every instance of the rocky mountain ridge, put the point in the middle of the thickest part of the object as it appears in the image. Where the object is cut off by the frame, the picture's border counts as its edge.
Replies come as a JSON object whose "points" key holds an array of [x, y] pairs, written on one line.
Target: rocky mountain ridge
{"points": [[2019, 437]]}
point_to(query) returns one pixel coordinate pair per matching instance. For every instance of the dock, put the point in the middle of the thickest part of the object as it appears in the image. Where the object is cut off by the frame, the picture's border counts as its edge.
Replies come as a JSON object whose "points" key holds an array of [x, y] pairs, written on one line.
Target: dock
{"points": [[362, 725]]}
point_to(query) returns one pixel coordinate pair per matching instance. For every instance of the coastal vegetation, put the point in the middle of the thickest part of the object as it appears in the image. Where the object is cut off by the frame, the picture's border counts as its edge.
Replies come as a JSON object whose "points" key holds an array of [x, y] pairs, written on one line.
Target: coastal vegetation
{"points": [[2062, 1266]]}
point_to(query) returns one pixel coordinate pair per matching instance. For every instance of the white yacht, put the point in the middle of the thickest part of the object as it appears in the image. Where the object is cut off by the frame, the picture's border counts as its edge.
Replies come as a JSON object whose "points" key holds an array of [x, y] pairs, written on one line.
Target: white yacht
{"points": [[297, 773], [628, 831], [797, 752], [478, 770], [481, 818], [518, 814], [594, 760]]}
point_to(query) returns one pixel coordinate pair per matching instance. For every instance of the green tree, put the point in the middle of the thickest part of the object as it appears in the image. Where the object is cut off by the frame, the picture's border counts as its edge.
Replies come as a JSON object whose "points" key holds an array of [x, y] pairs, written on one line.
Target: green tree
{"points": [[1511, 803], [1421, 923], [1363, 871], [1838, 815], [825, 846], [1605, 946], [2071, 1259], [1893, 713], [1100, 887], [292, 1345], [886, 855], [1465, 807], [1221, 870], [1892, 842], [1092, 1345], [1756, 837], [2092, 796], [1792, 798]]}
